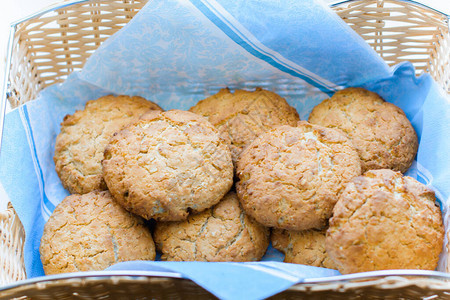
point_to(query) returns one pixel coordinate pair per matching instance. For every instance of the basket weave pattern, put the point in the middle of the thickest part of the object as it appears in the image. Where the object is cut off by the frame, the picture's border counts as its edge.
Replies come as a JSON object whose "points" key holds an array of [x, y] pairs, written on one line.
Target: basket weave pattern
{"points": [[12, 238], [137, 287], [50, 47], [47, 48], [116, 287], [403, 31]]}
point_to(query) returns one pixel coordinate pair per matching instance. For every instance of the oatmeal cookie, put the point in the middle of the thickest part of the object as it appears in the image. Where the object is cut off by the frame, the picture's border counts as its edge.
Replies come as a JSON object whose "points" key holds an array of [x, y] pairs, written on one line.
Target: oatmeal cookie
{"points": [[306, 247], [243, 115], [91, 232], [290, 177], [385, 221], [221, 233], [379, 130], [84, 136], [168, 164]]}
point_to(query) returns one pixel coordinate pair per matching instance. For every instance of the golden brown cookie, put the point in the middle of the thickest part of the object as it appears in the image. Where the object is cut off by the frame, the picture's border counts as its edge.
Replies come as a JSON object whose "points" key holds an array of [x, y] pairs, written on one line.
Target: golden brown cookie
{"points": [[243, 115], [222, 233], [168, 164], [91, 232], [385, 221], [379, 130], [306, 247], [84, 135], [290, 177]]}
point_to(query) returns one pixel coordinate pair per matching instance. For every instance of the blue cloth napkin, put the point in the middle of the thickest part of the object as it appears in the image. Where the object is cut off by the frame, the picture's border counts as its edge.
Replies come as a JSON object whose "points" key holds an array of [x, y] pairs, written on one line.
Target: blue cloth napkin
{"points": [[178, 52], [252, 280]]}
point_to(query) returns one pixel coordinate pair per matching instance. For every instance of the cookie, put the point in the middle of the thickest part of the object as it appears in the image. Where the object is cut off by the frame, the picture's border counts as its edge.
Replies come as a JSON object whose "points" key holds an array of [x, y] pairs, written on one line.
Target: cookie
{"points": [[306, 247], [92, 232], [243, 115], [385, 221], [379, 130], [168, 164], [222, 233], [84, 136], [290, 177]]}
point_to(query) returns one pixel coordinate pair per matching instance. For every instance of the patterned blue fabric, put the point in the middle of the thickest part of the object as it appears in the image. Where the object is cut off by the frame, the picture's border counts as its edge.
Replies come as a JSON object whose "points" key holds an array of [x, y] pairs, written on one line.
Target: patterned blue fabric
{"points": [[250, 280], [178, 52]]}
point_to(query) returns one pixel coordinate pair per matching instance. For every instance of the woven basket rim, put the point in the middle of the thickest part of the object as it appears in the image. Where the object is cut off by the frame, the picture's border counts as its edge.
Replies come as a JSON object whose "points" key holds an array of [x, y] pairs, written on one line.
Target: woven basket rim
{"points": [[59, 5], [410, 277], [340, 2], [93, 275], [379, 274], [48, 9]]}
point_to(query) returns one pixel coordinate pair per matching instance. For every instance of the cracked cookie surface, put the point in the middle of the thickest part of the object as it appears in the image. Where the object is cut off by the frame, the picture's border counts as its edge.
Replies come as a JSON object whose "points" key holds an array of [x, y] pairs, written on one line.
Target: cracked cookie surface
{"points": [[84, 136], [306, 247], [385, 221], [221, 233], [168, 164], [290, 177], [379, 130], [91, 232], [243, 115]]}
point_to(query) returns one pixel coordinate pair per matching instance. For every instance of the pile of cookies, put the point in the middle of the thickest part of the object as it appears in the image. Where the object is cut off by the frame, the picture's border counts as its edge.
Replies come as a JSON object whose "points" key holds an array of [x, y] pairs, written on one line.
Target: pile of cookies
{"points": [[218, 178]]}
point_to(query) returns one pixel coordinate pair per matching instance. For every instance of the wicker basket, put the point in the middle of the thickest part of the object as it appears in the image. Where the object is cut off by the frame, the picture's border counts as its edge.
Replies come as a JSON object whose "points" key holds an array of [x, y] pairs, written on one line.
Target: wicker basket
{"points": [[48, 46]]}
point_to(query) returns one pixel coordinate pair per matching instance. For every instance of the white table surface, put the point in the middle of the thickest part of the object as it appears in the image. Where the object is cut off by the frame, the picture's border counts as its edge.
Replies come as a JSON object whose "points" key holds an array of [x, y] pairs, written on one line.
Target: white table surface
{"points": [[13, 10]]}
